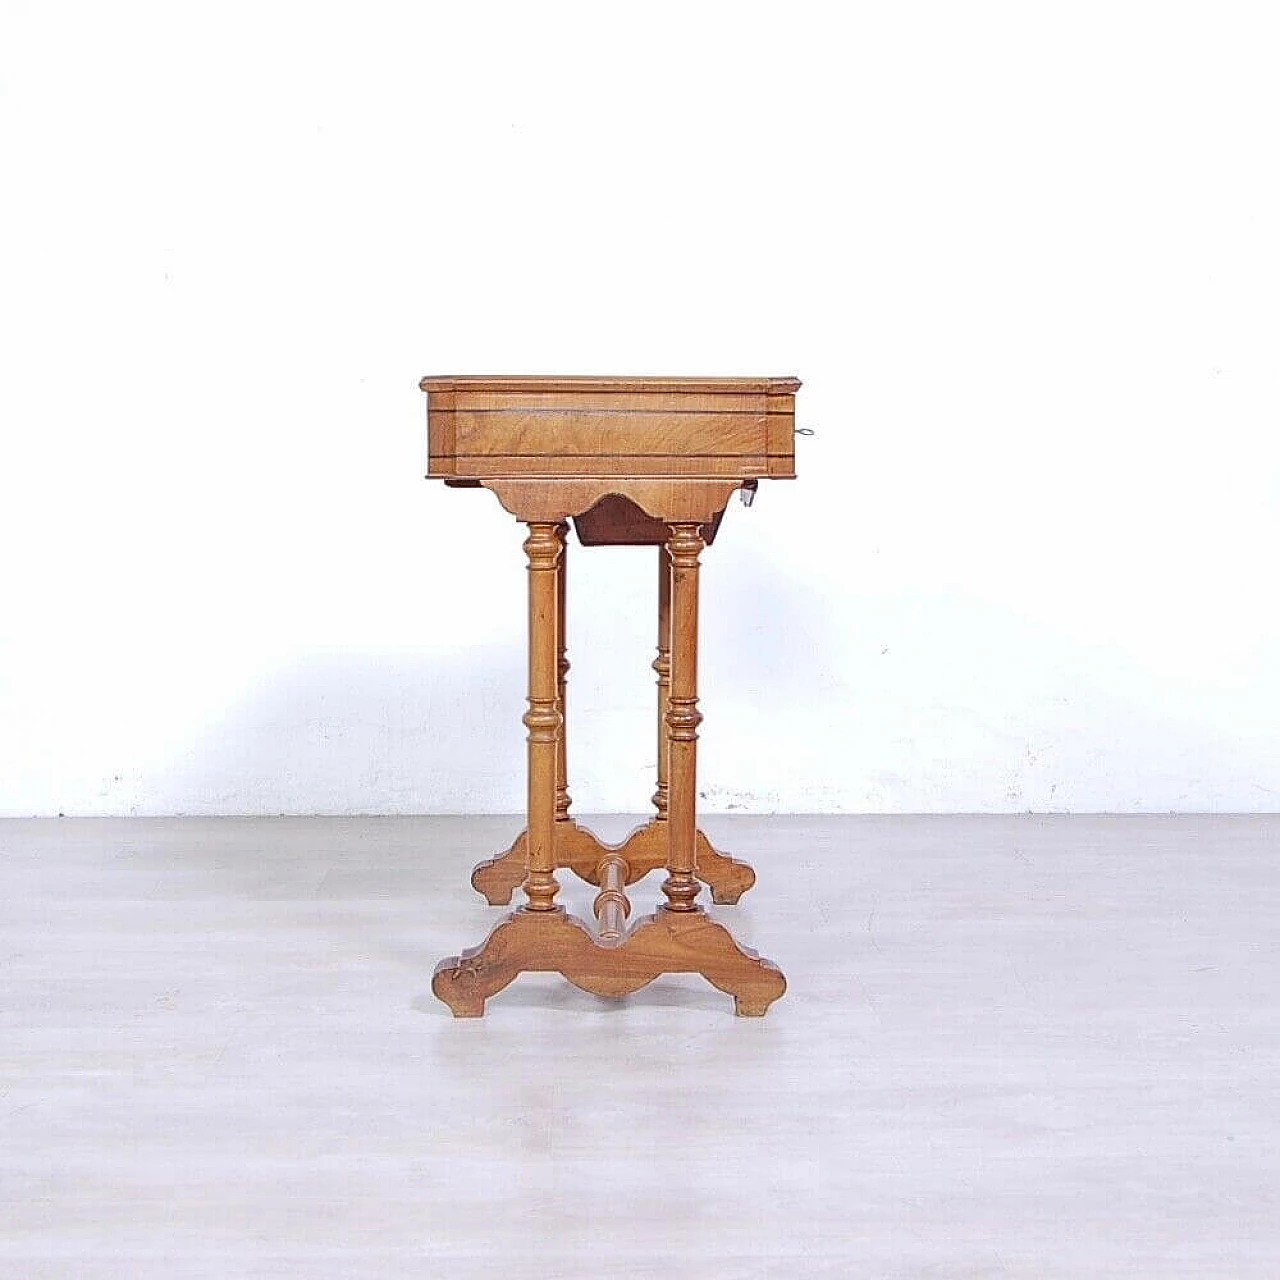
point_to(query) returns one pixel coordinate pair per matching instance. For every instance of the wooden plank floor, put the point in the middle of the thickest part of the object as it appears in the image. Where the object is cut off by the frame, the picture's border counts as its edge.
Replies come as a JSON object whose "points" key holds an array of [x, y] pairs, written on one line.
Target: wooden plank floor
{"points": [[1041, 1047]]}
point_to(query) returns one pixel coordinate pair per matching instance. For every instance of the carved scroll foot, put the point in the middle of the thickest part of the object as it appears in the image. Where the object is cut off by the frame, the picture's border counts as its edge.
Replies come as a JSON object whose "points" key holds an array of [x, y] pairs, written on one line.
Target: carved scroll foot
{"points": [[726, 877], [496, 878], [524, 942], [553, 942]]}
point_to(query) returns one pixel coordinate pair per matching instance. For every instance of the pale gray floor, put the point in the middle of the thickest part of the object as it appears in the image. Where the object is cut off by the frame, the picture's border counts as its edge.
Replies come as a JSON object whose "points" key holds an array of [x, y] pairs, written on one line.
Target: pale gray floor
{"points": [[1011, 1047]]}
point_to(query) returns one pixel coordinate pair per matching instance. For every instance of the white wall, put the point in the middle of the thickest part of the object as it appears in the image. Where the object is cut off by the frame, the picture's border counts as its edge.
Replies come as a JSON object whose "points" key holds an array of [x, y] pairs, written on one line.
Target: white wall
{"points": [[1025, 258]]}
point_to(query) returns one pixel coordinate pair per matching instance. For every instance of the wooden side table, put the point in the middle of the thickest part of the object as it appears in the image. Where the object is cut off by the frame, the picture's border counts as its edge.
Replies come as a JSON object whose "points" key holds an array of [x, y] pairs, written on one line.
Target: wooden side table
{"points": [[630, 461]]}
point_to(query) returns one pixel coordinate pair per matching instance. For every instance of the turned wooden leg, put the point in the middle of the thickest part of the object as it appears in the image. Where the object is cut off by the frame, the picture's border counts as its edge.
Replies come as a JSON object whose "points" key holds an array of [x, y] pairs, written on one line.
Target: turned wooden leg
{"points": [[543, 548], [662, 665], [681, 886], [498, 877], [563, 799], [727, 878]]}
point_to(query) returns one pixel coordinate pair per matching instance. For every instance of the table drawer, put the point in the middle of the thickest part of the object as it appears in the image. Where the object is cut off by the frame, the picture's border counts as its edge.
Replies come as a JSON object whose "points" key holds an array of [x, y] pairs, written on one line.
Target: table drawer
{"points": [[498, 427]]}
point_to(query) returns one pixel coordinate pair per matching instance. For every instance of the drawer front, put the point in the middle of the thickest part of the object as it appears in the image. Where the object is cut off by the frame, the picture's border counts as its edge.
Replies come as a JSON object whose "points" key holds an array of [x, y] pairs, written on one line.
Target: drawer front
{"points": [[487, 434]]}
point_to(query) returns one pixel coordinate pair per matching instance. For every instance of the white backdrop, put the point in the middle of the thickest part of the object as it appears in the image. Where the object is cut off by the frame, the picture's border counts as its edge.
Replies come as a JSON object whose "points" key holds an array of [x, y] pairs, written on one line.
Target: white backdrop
{"points": [[1025, 258]]}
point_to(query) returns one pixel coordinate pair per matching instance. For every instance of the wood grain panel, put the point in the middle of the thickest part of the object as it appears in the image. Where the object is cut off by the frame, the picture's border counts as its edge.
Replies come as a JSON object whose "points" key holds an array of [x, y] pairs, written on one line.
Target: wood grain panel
{"points": [[643, 402], [605, 432], [441, 433], [781, 422]]}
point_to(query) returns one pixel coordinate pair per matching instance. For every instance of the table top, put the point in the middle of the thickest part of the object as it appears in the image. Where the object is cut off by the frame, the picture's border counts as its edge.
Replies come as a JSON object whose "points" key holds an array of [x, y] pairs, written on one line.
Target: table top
{"points": [[590, 382]]}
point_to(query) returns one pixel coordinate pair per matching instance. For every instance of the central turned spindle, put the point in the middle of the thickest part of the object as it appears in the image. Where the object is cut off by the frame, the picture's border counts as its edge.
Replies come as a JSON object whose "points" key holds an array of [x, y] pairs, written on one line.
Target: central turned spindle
{"points": [[612, 906]]}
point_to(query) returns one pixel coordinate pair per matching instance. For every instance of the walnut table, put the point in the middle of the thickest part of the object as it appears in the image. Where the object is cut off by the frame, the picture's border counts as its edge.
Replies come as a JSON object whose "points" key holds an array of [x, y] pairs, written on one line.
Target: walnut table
{"points": [[650, 461]]}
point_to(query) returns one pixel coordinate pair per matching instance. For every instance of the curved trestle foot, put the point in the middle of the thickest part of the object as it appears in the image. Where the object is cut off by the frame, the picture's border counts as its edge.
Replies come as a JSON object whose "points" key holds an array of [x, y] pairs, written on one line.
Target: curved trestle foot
{"points": [[554, 942]]}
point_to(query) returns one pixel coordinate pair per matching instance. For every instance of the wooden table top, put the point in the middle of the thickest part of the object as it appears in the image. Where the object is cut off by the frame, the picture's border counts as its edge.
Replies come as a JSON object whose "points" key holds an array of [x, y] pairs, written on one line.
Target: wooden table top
{"points": [[591, 382]]}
